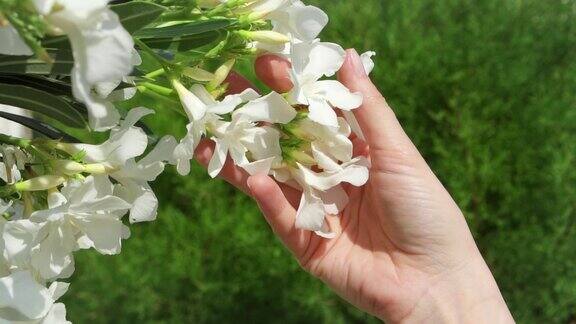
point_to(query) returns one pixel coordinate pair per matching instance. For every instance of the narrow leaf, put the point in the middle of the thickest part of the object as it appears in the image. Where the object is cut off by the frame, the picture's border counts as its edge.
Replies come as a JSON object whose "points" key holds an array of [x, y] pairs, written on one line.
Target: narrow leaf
{"points": [[187, 29], [136, 15], [39, 127], [41, 102], [63, 63], [182, 43]]}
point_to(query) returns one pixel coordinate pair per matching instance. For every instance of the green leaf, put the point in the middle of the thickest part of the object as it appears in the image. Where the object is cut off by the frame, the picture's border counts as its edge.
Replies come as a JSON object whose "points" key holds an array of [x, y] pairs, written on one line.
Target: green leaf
{"points": [[41, 102], [39, 82], [63, 63], [182, 43], [136, 15], [38, 126], [186, 29]]}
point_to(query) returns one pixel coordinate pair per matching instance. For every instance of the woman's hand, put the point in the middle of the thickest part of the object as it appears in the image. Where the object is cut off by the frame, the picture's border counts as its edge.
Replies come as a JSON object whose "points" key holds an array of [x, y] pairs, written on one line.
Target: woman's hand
{"points": [[403, 251]]}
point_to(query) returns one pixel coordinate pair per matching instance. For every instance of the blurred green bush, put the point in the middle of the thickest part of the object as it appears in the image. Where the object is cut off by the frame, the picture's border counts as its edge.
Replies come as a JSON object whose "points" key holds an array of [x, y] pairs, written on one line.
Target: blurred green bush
{"points": [[487, 90]]}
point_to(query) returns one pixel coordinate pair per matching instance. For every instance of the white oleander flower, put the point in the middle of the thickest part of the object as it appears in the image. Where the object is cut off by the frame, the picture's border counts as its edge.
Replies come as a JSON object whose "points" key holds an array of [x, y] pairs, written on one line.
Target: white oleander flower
{"points": [[102, 51], [23, 299], [299, 22], [310, 62], [133, 180], [14, 160], [84, 215], [118, 157], [203, 111], [322, 191], [290, 17], [241, 136], [40, 298]]}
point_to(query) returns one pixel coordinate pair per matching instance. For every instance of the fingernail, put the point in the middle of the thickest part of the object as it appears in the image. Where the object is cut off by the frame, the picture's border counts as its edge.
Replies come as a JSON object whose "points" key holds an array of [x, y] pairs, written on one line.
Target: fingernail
{"points": [[356, 63]]}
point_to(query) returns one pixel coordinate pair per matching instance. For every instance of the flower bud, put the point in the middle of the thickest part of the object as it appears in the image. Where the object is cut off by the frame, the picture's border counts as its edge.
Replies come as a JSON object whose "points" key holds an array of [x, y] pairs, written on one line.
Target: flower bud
{"points": [[192, 105], [265, 36], [67, 167], [40, 183], [302, 158], [221, 74], [198, 74], [98, 168]]}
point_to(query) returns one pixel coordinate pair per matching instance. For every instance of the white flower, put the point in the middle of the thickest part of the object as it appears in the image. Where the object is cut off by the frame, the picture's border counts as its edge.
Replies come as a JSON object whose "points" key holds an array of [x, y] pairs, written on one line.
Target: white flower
{"points": [[367, 61], [299, 22], [310, 62], [322, 191], [134, 176], [28, 297], [118, 154], [290, 17], [84, 215], [242, 136], [22, 298], [203, 111], [125, 142], [14, 159], [102, 52], [18, 237]]}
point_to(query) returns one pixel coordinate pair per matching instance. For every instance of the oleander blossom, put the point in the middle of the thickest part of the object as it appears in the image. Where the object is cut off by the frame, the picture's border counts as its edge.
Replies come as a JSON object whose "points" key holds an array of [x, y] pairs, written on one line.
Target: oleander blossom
{"points": [[59, 197], [102, 49]]}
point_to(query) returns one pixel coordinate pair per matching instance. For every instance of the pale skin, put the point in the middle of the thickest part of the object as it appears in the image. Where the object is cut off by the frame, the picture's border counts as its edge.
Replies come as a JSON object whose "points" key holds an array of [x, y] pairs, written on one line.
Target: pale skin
{"points": [[403, 250]]}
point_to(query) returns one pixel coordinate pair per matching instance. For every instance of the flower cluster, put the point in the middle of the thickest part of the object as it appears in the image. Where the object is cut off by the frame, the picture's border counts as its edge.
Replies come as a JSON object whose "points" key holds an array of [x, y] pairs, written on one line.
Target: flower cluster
{"points": [[61, 197]]}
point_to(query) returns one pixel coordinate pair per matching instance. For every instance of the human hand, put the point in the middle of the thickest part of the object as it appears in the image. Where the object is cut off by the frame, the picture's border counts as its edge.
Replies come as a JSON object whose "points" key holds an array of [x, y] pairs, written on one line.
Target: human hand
{"points": [[403, 250]]}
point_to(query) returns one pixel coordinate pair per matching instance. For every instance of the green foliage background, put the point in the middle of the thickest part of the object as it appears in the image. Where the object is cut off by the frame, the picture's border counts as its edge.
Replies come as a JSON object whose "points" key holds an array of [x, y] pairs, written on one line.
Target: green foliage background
{"points": [[487, 90]]}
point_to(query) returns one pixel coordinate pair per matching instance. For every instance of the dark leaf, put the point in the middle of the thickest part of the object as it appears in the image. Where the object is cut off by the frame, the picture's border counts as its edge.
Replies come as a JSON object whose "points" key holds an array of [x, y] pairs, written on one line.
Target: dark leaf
{"points": [[136, 15], [182, 43], [41, 102], [63, 63], [39, 82], [39, 127], [187, 29]]}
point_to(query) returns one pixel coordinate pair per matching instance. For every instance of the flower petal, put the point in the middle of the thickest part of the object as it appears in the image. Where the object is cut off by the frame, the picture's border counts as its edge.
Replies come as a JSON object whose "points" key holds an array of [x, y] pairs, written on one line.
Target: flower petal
{"points": [[367, 61], [21, 293], [338, 95], [218, 158], [322, 113], [258, 167], [355, 173], [104, 232], [310, 215], [271, 108]]}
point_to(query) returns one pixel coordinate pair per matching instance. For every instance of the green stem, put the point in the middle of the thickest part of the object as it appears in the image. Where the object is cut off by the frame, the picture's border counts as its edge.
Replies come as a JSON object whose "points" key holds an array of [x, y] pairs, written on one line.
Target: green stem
{"points": [[157, 88], [155, 74], [15, 141], [171, 103]]}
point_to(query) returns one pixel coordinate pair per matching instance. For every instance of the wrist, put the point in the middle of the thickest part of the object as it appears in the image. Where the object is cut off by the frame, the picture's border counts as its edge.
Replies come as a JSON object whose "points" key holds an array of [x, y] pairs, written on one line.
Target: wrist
{"points": [[468, 295]]}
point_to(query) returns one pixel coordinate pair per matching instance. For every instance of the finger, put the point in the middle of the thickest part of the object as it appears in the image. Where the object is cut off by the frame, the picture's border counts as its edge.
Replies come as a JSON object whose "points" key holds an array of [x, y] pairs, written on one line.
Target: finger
{"points": [[237, 83], [237, 176], [279, 213], [377, 120], [273, 71]]}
